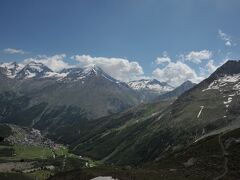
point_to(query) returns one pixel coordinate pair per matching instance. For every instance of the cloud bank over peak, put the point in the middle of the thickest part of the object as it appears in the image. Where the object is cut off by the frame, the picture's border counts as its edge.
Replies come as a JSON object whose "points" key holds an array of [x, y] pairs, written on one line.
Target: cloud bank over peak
{"points": [[55, 62], [193, 65], [176, 73], [119, 68], [171, 71]]}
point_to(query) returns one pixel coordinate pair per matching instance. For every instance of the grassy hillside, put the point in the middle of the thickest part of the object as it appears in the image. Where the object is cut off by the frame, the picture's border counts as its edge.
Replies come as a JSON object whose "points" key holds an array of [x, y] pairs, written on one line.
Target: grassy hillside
{"points": [[203, 159], [116, 138]]}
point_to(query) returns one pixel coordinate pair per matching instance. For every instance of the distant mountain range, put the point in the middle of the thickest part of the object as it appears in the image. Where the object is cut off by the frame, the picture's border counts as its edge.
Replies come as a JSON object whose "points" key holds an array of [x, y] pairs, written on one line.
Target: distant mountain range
{"points": [[103, 118], [35, 86], [86, 93], [66, 104], [36, 70], [150, 88]]}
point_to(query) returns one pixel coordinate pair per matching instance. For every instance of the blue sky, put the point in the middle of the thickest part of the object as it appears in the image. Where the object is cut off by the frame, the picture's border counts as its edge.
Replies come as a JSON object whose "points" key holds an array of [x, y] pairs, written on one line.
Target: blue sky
{"points": [[196, 36]]}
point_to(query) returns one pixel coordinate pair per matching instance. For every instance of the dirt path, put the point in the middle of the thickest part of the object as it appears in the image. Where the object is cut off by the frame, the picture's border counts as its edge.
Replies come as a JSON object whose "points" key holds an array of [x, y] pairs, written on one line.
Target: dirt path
{"points": [[224, 154]]}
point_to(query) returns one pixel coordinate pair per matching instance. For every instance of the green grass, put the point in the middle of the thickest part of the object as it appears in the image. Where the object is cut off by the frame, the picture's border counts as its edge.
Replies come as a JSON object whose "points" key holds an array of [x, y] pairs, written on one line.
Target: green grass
{"points": [[28, 152], [42, 157], [36, 152], [32, 152], [61, 151]]}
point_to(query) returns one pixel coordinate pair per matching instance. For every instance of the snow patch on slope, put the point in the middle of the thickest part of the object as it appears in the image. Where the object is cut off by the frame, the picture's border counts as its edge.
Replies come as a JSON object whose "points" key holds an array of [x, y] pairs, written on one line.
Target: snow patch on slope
{"points": [[201, 108], [225, 81], [54, 75], [228, 101]]}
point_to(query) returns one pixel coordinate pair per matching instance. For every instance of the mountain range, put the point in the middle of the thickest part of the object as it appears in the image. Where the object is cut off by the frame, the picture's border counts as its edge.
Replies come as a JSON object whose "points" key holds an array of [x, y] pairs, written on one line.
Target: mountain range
{"points": [[148, 89], [90, 89], [34, 95], [148, 133], [100, 117]]}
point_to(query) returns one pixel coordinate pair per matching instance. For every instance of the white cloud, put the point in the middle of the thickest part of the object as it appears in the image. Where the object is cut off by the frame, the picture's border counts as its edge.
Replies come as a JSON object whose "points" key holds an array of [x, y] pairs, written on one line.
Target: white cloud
{"points": [[55, 62], [164, 59], [176, 73], [119, 68], [210, 66], [198, 56], [14, 51], [226, 38]]}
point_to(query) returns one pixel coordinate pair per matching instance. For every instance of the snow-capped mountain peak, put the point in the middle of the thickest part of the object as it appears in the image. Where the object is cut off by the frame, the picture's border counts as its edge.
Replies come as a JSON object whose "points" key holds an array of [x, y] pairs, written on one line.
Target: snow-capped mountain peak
{"points": [[92, 70], [71, 74], [39, 70], [224, 77], [150, 85], [80, 74], [11, 68], [36, 66], [32, 70]]}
